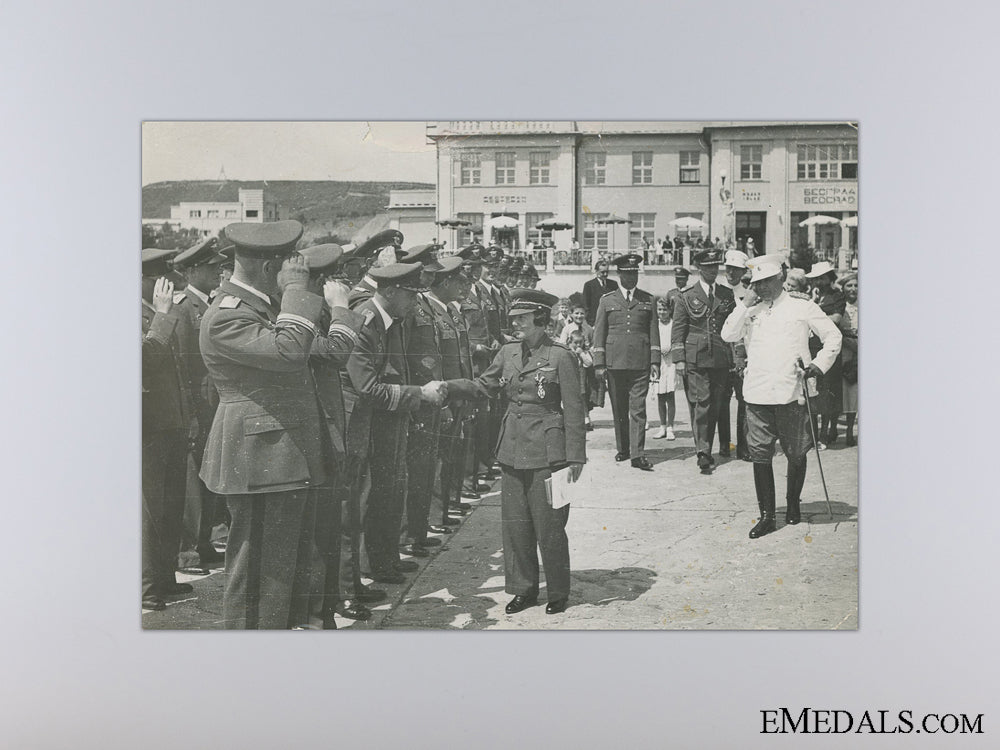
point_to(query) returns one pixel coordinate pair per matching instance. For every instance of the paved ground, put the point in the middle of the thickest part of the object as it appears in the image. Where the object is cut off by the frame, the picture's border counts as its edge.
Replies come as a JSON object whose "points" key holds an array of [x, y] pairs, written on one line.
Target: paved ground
{"points": [[661, 550]]}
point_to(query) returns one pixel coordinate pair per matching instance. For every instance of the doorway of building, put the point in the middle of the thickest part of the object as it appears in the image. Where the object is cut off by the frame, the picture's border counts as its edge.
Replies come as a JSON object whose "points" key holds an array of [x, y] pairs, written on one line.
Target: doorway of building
{"points": [[751, 225]]}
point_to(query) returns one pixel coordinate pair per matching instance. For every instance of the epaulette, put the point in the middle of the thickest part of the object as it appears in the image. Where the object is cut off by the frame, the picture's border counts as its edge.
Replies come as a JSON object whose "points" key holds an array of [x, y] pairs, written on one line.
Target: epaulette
{"points": [[229, 302], [179, 297], [561, 345], [607, 293], [800, 295]]}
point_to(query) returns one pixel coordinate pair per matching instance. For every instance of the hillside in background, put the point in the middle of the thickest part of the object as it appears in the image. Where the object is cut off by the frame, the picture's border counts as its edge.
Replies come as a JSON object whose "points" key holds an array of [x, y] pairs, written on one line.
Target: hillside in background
{"points": [[325, 207]]}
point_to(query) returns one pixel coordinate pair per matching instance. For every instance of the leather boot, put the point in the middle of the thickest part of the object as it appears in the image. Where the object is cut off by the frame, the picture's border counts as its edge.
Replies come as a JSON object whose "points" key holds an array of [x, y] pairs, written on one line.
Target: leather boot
{"points": [[793, 494], [763, 480]]}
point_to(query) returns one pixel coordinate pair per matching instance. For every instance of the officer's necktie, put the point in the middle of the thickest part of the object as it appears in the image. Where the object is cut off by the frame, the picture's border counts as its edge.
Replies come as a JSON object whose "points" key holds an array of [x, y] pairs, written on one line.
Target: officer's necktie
{"points": [[711, 295]]}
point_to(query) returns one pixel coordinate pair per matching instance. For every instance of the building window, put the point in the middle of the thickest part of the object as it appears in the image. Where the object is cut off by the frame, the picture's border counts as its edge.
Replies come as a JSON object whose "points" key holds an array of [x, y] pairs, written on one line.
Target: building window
{"points": [[539, 172], [642, 167], [232, 213], [690, 167], [470, 168], [594, 168], [827, 162], [594, 235], [538, 236], [252, 213], [751, 162], [467, 234], [640, 230], [505, 167], [212, 213], [194, 214]]}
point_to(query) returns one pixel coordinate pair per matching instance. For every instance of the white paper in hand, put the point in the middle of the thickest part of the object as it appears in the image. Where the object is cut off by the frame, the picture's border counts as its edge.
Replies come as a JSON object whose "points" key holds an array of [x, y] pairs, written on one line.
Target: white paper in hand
{"points": [[559, 491]]}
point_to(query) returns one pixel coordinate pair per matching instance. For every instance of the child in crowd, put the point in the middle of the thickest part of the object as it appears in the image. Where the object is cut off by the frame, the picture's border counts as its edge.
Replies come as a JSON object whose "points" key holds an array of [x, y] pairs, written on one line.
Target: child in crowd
{"points": [[667, 384], [580, 346], [560, 317]]}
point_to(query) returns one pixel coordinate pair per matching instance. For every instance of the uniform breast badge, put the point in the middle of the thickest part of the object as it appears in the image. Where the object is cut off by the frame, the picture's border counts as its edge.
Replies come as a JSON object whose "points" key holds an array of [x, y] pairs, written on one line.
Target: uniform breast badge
{"points": [[540, 381]]}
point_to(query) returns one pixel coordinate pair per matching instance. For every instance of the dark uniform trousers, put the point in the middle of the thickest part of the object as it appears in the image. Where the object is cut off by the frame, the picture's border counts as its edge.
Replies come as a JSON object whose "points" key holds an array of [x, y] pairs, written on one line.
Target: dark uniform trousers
{"points": [[628, 389], [383, 515], [269, 560], [164, 484], [421, 459], [451, 452], [528, 521], [326, 586], [734, 384], [704, 388]]}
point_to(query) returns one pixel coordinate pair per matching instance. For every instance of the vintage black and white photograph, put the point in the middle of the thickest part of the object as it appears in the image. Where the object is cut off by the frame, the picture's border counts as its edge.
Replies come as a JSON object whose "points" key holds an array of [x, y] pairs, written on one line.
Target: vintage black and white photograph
{"points": [[488, 375]]}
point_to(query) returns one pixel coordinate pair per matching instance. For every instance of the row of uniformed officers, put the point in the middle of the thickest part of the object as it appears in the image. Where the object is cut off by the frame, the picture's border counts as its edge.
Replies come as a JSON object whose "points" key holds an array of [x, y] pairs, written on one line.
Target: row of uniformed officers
{"points": [[306, 402]]}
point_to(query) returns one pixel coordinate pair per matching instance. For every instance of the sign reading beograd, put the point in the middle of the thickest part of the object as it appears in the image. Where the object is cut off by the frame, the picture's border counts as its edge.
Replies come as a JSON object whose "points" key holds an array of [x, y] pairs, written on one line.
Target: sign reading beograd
{"points": [[812, 197]]}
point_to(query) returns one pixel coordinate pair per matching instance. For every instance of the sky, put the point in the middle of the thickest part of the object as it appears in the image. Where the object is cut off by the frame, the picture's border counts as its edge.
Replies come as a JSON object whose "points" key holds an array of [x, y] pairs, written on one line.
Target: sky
{"points": [[395, 151]]}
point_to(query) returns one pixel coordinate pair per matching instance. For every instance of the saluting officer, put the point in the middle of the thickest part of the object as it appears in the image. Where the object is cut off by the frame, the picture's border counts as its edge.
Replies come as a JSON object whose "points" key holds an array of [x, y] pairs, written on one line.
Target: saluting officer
{"points": [[369, 250], [200, 265], [702, 357], [265, 451], [337, 334], [627, 347], [542, 432], [775, 326], [166, 419], [378, 397]]}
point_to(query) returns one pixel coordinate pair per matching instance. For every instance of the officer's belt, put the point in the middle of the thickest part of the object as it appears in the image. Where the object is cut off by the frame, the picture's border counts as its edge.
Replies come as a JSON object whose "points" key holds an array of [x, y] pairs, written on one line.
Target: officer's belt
{"points": [[516, 408]]}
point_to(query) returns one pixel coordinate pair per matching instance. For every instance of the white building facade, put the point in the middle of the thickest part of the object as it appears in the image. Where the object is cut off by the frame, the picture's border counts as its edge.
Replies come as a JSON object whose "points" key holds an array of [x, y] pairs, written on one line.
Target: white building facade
{"points": [[211, 217]]}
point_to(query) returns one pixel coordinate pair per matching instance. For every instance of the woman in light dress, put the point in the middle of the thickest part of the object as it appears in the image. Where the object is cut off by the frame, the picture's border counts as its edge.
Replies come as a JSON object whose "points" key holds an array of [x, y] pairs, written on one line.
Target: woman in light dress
{"points": [[667, 383]]}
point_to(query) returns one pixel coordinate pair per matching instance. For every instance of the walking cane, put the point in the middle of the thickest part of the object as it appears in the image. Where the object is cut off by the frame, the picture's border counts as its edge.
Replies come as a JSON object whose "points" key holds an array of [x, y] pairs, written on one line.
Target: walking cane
{"points": [[805, 391]]}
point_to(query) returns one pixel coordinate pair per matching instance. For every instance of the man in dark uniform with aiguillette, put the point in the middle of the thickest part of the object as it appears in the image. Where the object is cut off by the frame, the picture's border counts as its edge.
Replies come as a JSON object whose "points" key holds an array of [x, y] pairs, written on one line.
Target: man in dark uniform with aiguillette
{"points": [[627, 346], [265, 449], [702, 357]]}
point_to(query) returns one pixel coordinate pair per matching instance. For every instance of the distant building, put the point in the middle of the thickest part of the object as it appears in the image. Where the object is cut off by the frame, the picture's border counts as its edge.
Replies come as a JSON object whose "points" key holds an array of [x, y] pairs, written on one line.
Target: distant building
{"points": [[744, 180], [211, 216], [412, 212]]}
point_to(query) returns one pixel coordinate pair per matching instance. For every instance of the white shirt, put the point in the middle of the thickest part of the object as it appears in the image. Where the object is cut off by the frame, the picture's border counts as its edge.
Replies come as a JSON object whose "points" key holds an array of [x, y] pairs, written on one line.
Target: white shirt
{"points": [[244, 285], [627, 293], [707, 288], [776, 335], [386, 317]]}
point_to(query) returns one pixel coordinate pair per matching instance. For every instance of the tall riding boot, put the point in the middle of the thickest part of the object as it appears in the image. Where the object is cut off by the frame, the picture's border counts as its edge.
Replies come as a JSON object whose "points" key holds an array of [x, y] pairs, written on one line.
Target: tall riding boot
{"points": [[763, 480], [850, 441], [793, 494], [831, 434]]}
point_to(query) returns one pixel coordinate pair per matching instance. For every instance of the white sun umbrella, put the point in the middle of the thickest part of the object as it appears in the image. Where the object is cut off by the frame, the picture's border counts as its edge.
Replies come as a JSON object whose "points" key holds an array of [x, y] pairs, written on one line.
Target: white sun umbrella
{"points": [[688, 223], [850, 221], [819, 219], [504, 222]]}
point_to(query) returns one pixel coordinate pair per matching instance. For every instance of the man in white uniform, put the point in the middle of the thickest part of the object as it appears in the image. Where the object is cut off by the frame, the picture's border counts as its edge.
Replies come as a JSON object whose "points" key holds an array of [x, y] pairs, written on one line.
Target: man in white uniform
{"points": [[775, 326]]}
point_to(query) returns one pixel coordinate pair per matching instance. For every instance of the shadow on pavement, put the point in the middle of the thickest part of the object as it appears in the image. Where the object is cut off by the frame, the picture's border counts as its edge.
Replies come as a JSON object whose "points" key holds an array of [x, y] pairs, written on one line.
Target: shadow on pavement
{"points": [[601, 586], [464, 612], [816, 512]]}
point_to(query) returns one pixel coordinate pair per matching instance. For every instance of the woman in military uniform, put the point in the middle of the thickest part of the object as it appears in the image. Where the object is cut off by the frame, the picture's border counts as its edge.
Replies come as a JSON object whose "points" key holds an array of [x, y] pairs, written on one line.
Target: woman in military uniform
{"points": [[542, 431]]}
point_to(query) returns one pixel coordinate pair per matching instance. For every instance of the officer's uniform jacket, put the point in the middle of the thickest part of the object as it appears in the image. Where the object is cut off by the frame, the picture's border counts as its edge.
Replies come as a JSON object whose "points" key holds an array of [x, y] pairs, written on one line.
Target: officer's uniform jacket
{"points": [[363, 291], [479, 335], [192, 309], [453, 340], [491, 307], [266, 435], [327, 359], [777, 336], [544, 422], [423, 348], [375, 379], [165, 399], [695, 338], [626, 334]]}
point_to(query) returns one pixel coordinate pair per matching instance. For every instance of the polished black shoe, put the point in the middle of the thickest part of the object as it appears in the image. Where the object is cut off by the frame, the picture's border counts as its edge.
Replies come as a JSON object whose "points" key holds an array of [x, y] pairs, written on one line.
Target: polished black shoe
{"points": [[438, 530], [621, 457], [555, 607], [393, 576], [429, 541], [793, 513], [641, 463], [491, 475], [367, 594], [519, 603], [724, 453], [413, 550], [153, 602], [352, 610], [764, 526], [483, 486], [704, 461], [462, 506], [406, 566], [471, 494], [208, 555], [173, 589], [451, 521]]}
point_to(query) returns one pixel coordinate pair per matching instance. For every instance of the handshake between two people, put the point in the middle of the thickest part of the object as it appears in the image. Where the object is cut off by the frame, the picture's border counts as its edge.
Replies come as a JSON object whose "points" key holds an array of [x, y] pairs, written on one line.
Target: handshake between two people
{"points": [[439, 392]]}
